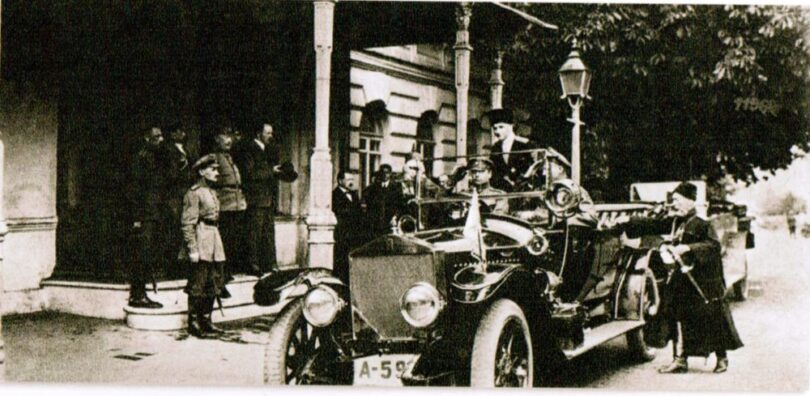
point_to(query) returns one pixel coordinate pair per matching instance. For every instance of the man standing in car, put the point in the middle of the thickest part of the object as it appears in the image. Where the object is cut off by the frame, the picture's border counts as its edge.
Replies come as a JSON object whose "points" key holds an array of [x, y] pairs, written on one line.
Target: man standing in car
{"points": [[700, 317], [507, 167]]}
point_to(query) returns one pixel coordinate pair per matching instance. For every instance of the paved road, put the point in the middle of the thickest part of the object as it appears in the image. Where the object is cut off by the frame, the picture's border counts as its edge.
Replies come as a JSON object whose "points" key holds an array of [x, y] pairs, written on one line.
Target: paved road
{"points": [[773, 324]]}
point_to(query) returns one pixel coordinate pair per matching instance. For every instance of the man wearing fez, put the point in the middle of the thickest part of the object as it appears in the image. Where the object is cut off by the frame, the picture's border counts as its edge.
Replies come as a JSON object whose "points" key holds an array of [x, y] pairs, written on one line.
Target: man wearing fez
{"points": [[204, 245], [232, 205], [700, 324], [350, 224], [179, 179], [258, 160], [507, 167], [480, 170], [383, 199], [150, 215]]}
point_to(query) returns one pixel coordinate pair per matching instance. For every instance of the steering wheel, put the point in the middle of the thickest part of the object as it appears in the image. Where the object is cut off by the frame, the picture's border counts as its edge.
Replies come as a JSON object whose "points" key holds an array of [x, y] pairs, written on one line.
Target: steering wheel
{"points": [[533, 178]]}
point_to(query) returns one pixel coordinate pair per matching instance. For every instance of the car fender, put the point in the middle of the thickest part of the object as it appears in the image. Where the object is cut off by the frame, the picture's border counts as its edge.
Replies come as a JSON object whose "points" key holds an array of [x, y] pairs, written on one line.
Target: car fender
{"points": [[480, 283], [631, 283], [284, 286]]}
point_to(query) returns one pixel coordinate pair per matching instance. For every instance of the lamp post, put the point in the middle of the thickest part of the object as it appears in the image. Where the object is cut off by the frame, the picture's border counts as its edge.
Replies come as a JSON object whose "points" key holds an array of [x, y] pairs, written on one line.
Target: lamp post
{"points": [[575, 79]]}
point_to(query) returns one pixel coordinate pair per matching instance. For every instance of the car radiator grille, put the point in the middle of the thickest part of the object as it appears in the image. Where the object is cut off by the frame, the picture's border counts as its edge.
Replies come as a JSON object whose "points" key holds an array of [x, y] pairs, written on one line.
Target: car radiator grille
{"points": [[377, 283]]}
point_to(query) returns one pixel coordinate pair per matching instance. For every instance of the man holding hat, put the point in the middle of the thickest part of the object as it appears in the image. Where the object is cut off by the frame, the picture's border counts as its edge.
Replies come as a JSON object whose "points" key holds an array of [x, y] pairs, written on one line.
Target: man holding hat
{"points": [[480, 170], [204, 246], [507, 167], [258, 161], [692, 303]]}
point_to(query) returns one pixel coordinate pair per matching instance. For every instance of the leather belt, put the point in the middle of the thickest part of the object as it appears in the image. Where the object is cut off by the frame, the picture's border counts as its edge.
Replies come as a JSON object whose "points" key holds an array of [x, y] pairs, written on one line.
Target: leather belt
{"points": [[214, 223]]}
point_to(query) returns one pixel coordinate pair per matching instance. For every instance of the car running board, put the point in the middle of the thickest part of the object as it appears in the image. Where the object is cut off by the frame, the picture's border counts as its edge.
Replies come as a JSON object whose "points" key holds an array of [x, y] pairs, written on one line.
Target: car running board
{"points": [[602, 333]]}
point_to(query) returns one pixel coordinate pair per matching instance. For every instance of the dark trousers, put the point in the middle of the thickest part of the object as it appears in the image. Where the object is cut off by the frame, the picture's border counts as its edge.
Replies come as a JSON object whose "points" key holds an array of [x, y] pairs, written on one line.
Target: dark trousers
{"points": [[261, 239], [232, 230], [150, 252]]}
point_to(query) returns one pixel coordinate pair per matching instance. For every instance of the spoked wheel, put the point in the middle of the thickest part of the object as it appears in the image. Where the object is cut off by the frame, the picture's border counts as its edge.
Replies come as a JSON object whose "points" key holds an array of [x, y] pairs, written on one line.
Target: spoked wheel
{"points": [[650, 303], [502, 353], [298, 353]]}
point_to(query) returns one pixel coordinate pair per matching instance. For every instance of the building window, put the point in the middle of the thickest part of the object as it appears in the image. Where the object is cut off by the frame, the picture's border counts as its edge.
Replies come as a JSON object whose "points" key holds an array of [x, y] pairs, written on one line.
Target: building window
{"points": [[373, 125], [425, 140]]}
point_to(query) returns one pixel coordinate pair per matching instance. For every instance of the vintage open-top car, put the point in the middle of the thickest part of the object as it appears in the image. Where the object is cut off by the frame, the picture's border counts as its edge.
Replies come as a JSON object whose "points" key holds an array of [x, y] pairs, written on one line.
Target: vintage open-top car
{"points": [[492, 301]]}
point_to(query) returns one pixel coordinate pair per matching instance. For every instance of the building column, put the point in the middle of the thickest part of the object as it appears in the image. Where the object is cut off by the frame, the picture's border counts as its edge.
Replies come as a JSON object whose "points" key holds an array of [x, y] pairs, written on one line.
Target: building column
{"points": [[3, 232], [321, 220], [463, 51], [496, 81]]}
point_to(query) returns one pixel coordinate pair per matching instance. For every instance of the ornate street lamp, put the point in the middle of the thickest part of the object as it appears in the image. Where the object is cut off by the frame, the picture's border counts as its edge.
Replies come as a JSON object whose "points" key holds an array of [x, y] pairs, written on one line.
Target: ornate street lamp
{"points": [[575, 78]]}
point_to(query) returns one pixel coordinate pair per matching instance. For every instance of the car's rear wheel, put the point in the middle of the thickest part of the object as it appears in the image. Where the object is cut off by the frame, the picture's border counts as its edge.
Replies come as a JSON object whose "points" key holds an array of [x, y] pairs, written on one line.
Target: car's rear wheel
{"points": [[298, 353], [502, 354], [649, 308]]}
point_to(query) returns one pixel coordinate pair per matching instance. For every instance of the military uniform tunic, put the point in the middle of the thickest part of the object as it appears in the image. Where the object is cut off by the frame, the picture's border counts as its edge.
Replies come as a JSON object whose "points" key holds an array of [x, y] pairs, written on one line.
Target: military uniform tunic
{"points": [[201, 235]]}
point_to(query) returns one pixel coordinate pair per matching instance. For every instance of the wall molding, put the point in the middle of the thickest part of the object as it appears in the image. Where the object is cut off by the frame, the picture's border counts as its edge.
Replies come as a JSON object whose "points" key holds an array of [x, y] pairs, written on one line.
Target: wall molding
{"points": [[32, 224]]}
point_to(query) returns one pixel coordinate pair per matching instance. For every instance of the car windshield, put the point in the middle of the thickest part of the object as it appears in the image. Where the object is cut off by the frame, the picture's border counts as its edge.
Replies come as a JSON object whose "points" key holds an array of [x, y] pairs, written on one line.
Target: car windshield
{"points": [[443, 194]]}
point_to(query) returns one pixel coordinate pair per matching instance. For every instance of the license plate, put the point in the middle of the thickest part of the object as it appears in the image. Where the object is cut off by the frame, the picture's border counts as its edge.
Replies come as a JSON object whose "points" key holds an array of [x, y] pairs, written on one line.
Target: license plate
{"points": [[385, 370]]}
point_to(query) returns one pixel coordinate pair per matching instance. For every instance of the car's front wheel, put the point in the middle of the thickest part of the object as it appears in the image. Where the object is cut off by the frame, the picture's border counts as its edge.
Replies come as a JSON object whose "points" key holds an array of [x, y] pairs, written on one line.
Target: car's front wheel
{"points": [[298, 353], [502, 354]]}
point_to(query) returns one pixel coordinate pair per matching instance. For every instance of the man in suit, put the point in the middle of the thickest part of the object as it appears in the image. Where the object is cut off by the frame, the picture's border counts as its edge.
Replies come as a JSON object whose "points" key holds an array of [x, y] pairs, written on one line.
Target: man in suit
{"points": [[179, 178], [350, 224], [507, 167], [383, 199], [150, 215], [258, 159]]}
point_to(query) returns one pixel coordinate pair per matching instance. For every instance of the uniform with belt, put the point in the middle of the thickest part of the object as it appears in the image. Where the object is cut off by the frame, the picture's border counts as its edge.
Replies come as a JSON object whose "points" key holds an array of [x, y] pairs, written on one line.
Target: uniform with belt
{"points": [[200, 221]]}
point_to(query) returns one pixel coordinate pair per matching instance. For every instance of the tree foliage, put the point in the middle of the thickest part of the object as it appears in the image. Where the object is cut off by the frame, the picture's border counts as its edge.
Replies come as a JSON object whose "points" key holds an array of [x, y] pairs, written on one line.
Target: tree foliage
{"points": [[679, 91]]}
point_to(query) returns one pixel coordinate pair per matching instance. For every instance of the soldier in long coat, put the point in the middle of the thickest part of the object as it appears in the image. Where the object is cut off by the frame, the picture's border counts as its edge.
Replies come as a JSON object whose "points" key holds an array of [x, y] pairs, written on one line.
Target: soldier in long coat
{"points": [[699, 327], [232, 206], [150, 212], [205, 250]]}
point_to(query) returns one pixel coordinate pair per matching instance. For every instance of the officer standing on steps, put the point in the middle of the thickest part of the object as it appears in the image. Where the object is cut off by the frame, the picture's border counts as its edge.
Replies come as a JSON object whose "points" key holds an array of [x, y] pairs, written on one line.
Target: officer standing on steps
{"points": [[699, 317], [205, 251]]}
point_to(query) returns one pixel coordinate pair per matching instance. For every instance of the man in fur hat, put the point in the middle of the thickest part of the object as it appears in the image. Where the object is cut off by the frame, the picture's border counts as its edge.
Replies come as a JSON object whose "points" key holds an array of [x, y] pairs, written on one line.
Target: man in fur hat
{"points": [[507, 167], [696, 312]]}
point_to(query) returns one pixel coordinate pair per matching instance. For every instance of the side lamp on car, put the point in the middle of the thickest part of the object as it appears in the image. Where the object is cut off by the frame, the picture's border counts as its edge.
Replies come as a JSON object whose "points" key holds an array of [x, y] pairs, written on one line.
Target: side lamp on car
{"points": [[321, 306], [421, 304], [563, 198]]}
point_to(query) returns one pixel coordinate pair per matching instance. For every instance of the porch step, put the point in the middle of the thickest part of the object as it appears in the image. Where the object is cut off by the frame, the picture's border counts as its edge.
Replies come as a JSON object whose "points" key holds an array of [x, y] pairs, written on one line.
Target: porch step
{"points": [[600, 334], [109, 301]]}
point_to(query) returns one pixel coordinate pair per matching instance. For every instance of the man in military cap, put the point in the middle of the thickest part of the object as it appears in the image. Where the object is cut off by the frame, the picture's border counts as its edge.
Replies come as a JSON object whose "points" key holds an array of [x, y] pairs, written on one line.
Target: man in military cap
{"points": [[480, 170], [206, 253], [232, 205], [150, 215], [507, 167], [692, 301]]}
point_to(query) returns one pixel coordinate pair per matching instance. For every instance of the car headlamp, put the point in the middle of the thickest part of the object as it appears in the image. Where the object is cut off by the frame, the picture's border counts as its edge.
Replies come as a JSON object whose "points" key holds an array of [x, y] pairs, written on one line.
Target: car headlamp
{"points": [[321, 306], [563, 197], [421, 304]]}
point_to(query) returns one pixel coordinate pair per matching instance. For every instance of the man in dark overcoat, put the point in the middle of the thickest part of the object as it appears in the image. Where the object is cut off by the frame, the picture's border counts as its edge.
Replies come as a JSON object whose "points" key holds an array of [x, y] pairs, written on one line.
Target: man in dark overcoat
{"points": [[350, 224], [232, 206], [701, 324], [383, 200], [258, 160], [507, 167], [150, 212], [179, 178]]}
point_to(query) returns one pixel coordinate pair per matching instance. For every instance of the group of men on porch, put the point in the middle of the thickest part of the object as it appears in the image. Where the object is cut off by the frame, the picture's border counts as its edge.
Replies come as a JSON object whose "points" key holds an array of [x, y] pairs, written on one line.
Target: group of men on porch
{"points": [[245, 185]]}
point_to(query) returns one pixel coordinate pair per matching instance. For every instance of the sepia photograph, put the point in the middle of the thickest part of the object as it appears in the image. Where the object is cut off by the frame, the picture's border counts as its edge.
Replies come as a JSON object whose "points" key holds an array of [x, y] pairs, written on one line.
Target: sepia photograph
{"points": [[383, 195]]}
